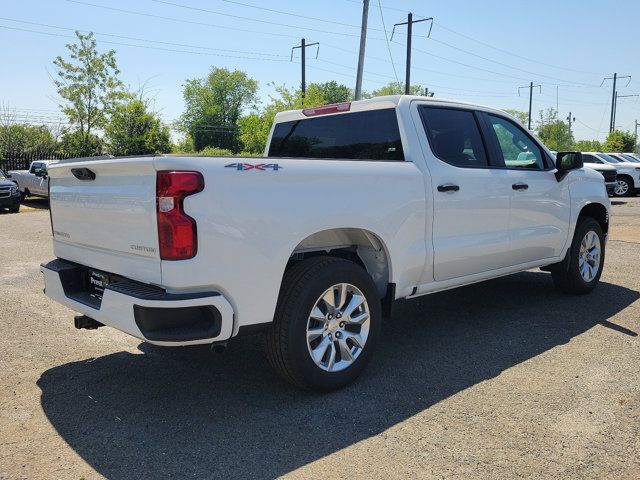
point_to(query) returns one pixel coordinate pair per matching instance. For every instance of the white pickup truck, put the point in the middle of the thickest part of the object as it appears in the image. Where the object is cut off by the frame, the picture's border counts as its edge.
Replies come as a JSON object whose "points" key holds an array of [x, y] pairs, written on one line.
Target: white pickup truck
{"points": [[355, 205], [34, 181]]}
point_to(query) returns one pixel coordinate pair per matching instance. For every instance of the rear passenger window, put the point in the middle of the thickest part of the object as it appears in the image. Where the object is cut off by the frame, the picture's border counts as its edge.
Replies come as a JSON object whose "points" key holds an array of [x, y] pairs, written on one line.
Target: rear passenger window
{"points": [[454, 136], [371, 135]]}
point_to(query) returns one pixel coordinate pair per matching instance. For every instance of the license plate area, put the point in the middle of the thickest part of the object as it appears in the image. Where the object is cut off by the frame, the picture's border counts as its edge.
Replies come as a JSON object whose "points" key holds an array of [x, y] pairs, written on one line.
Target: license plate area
{"points": [[95, 284]]}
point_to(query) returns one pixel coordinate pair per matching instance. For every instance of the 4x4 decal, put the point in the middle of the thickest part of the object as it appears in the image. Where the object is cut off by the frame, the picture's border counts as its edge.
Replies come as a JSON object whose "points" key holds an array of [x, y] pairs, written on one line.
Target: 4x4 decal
{"points": [[251, 166]]}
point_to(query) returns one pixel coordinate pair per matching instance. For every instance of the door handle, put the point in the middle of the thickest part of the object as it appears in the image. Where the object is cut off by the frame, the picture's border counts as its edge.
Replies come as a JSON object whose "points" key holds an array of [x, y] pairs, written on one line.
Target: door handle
{"points": [[449, 187], [519, 186]]}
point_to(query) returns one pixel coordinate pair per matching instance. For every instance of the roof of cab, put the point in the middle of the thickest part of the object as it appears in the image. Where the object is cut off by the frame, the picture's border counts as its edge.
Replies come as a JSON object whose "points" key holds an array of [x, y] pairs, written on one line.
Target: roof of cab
{"points": [[388, 101]]}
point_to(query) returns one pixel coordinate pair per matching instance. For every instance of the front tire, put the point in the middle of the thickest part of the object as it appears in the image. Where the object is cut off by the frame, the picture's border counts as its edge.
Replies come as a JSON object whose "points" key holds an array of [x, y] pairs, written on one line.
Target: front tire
{"points": [[326, 323], [15, 209], [580, 271]]}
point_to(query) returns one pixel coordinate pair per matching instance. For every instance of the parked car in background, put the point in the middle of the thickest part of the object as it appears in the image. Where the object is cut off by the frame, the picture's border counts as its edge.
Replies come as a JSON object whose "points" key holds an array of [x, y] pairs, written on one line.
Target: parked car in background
{"points": [[629, 157], [34, 181], [621, 157], [354, 205], [9, 193], [628, 180], [608, 172]]}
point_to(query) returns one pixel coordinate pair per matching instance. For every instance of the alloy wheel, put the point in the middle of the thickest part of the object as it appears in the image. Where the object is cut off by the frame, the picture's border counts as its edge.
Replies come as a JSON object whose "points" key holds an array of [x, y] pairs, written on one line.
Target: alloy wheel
{"points": [[338, 327], [589, 257]]}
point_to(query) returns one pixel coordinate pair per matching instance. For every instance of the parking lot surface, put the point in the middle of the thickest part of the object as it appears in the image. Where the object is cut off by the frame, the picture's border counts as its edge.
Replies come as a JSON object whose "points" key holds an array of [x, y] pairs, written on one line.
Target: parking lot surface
{"points": [[502, 379]]}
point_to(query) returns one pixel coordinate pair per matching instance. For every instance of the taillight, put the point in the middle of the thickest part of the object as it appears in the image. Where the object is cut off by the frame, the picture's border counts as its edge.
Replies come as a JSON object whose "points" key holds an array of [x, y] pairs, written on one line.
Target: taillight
{"points": [[177, 231], [325, 109]]}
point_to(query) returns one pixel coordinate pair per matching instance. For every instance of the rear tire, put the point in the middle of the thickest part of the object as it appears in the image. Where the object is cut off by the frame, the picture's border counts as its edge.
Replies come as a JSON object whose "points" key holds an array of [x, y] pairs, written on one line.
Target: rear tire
{"points": [[320, 339], [624, 187], [580, 271]]}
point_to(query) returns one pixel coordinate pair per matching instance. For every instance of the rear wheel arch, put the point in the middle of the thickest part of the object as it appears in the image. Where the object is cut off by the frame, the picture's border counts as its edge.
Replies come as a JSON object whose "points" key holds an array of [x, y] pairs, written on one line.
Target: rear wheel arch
{"points": [[359, 245]]}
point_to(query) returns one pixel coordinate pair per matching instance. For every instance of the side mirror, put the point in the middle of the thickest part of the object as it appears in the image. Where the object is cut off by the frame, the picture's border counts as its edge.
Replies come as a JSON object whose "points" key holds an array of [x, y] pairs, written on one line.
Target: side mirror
{"points": [[567, 161]]}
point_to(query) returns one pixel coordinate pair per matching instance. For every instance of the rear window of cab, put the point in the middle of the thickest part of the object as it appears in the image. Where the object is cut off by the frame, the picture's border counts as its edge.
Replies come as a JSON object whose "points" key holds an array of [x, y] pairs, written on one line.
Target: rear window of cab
{"points": [[369, 135]]}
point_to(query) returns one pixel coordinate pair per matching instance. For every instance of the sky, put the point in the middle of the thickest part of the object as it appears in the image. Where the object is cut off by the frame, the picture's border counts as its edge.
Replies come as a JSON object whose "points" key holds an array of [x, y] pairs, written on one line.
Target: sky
{"points": [[479, 52]]}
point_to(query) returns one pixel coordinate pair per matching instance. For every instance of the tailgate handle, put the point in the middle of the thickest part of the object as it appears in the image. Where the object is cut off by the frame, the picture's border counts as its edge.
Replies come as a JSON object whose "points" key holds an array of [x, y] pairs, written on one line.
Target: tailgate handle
{"points": [[83, 174]]}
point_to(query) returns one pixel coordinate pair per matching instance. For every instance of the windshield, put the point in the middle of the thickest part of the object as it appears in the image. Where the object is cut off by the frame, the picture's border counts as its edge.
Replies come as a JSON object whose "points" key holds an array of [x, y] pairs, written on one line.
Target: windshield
{"points": [[630, 158], [609, 158]]}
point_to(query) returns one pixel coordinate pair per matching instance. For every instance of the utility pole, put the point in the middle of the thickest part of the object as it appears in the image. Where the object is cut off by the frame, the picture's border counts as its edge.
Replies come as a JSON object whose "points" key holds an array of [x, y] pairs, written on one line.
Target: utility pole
{"points": [[531, 86], [615, 106], [409, 23], [570, 119], [363, 43], [303, 47], [613, 97]]}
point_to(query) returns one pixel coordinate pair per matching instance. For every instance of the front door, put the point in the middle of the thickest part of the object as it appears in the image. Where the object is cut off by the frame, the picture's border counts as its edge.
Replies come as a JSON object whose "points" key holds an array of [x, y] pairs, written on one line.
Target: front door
{"points": [[540, 205]]}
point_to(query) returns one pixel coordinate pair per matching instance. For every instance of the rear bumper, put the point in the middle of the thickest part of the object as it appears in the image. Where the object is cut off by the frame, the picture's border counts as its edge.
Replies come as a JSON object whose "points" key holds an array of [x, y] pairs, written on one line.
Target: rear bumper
{"points": [[146, 312]]}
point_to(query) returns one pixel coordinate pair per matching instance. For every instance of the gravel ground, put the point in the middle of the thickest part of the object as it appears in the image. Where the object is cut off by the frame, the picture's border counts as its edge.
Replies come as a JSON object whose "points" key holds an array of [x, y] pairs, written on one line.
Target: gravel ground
{"points": [[497, 380]]}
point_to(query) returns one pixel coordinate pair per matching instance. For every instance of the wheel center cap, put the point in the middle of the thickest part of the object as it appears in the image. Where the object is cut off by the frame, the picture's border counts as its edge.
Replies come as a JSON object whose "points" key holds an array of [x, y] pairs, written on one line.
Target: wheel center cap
{"points": [[333, 325]]}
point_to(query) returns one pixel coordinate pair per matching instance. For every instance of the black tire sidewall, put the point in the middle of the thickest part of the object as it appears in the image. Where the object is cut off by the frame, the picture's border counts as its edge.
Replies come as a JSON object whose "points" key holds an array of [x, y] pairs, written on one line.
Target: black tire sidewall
{"points": [[301, 361]]}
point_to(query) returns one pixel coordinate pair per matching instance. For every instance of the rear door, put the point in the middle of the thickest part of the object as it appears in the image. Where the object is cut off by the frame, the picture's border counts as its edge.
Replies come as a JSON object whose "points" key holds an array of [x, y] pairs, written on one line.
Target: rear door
{"points": [[540, 205], [471, 200], [108, 222]]}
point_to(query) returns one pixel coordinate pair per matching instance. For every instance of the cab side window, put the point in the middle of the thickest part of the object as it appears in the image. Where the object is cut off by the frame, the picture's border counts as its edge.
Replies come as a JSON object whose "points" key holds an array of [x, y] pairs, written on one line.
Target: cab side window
{"points": [[454, 136], [517, 148]]}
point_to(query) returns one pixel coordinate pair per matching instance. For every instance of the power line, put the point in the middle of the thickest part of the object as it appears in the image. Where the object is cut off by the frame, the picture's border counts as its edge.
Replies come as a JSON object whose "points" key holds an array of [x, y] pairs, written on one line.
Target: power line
{"points": [[505, 64], [240, 17], [178, 20], [439, 25], [143, 39], [148, 47], [281, 12], [386, 37]]}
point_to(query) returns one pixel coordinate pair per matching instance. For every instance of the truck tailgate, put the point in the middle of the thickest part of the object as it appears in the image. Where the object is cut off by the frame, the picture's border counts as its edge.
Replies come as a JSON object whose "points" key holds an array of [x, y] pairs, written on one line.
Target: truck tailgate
{"points": [[106, 218]]}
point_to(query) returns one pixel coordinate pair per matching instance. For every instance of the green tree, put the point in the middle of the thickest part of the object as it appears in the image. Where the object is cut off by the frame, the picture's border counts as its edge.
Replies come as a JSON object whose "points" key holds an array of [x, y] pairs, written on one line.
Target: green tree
{"points": [[89, 88], [255, 127], [77, 144], [214, 105], [396, 88], [553, 132], [522, 117], [26, 139], [184, 145], [619, 141], [587, 146], [333, 92], [134, 130]]}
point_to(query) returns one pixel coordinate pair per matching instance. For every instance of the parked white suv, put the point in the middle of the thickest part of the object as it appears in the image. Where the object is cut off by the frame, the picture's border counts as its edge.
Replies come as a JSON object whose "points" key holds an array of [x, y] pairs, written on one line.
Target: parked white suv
{"points": [[353, 206], [628, 172], [608, 172]]}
